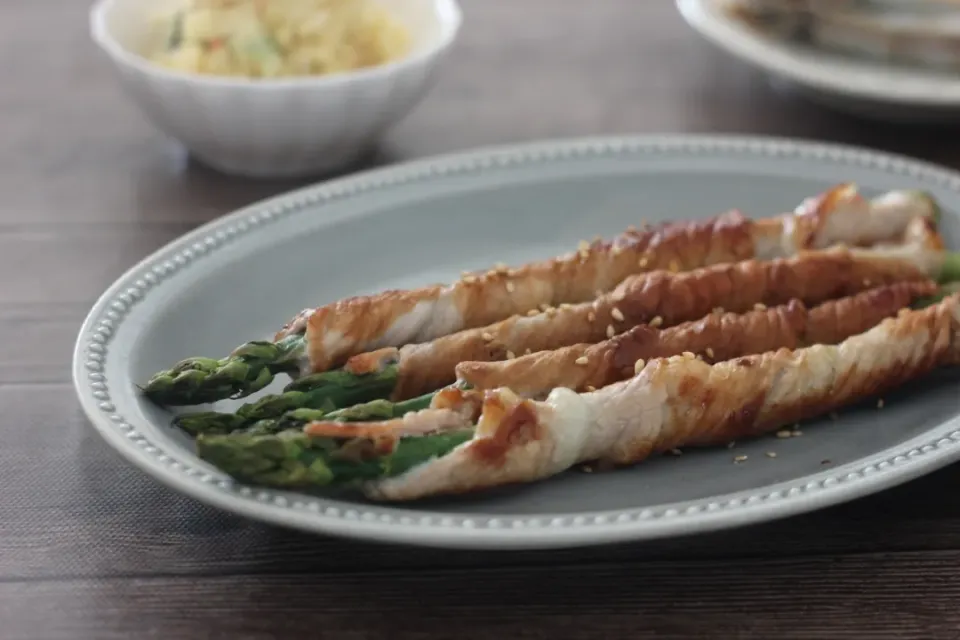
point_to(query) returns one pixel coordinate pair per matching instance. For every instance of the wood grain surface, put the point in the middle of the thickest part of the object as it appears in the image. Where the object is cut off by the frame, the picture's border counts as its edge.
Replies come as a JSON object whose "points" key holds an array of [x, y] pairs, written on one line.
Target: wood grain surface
{"points": [[90, 547]]}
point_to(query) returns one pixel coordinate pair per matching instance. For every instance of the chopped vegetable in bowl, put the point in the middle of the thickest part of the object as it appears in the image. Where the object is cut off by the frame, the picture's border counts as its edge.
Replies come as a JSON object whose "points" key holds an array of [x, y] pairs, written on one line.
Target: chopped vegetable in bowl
{"points": [[276, 38]]}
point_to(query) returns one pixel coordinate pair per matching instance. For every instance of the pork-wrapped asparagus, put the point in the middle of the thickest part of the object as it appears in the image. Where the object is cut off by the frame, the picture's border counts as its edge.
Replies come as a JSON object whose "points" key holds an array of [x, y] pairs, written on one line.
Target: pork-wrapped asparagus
{"points": [[580, 367], [714, 338], [328, 336], [661, 298], [670, 402]]}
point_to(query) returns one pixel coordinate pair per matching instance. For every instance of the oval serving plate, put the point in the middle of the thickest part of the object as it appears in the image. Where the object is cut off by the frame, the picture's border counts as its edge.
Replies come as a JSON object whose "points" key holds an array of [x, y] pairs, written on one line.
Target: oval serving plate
{"points": [[244, 275]]}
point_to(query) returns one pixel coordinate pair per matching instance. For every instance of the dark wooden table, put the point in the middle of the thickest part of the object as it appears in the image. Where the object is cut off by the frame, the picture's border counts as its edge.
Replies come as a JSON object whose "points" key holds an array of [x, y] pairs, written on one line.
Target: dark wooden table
{"points": [[90, 547]]}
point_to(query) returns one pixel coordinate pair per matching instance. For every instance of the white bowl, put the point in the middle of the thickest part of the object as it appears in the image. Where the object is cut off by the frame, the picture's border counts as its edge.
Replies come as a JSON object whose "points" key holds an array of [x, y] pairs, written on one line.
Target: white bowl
{"points": [[276, 127]]}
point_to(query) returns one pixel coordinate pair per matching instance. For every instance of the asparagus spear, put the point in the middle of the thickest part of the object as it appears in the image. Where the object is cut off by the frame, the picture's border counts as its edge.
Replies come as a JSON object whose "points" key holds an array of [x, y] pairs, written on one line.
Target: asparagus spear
{"points": [[213, 423], [250, 368], [292, 459]]}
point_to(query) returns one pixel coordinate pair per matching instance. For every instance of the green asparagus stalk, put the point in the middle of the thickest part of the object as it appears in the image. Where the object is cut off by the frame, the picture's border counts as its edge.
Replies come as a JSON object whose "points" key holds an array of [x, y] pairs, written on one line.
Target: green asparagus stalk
{"points": [[250, 368], [320, 391], [212, 423], [293, 460]]}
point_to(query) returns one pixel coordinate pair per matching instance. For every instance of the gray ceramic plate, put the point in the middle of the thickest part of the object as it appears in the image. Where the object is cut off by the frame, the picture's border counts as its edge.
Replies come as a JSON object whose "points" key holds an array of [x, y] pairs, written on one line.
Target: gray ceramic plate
{"points": [[245, 274]]}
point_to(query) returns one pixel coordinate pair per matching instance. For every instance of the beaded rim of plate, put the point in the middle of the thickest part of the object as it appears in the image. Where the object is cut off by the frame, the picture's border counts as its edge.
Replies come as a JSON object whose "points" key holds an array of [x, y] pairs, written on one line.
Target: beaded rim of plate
{"points": [[195, 478]]}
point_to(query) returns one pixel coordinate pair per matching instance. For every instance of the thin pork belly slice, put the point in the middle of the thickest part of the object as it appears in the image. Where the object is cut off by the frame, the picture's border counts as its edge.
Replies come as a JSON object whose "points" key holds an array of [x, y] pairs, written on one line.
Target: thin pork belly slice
{"points": [[661, 298], [713, 338], [681, 401], [394, 318]]}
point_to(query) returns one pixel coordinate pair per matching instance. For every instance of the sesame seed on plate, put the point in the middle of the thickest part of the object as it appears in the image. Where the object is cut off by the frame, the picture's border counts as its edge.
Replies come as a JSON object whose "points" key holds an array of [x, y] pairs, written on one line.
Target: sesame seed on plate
{"points": [[738, 459], [784, 433], [771, 454]]}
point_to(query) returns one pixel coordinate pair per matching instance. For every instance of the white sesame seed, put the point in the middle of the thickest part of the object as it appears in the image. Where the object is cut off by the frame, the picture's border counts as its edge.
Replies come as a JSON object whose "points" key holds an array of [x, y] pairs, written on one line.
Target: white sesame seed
{"points": [[796, 433], [644, 261], [784, 433], [688, 355], [591, 316], [738, 459], [469, 279], [591, 388], [511, 287], [709, 352], [511, 355], [611, 331], [617, 314], [582, 360], [527, 351], [771, 454], [656, 322], [639, 365], [760, 306]]}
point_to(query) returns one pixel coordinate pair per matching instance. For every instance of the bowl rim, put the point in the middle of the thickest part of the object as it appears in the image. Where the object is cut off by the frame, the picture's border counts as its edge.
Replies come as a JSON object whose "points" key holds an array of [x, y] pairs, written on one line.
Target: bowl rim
{"points": [[449, 13]]}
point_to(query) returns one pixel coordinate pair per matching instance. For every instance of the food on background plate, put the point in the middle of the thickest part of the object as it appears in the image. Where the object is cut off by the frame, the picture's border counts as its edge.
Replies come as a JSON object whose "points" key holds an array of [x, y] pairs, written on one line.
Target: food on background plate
{"points": [[915, 32], [277, 38], [720, 346], [319, 339]]}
